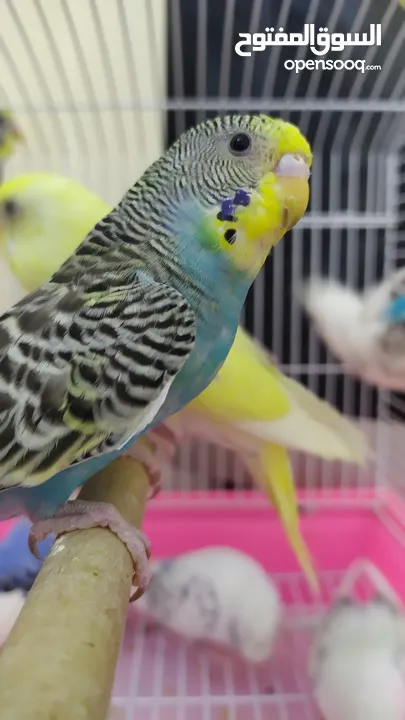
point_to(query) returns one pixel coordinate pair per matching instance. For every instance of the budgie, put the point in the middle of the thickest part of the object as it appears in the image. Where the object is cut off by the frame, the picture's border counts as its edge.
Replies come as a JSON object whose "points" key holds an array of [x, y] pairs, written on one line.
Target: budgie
{"points": [[10, 135], [365, 331], [217, 594], [43, 219], [138, 321], [358, 661], [266, 414]]}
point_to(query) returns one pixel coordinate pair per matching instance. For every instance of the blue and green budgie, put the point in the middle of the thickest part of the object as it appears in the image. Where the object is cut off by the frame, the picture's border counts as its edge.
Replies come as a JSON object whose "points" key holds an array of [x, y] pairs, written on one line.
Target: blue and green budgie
{"points": [[140, 319]]}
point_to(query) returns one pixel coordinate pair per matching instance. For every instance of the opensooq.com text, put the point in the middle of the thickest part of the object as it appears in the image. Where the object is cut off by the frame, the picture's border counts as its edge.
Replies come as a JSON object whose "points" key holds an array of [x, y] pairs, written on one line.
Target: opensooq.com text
{"points": [[298, 65]]}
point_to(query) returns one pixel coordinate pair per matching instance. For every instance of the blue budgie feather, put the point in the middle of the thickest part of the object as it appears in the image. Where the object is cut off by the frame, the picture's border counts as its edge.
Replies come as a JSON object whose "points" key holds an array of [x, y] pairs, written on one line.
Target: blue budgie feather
{"points": [[395, 312], [18, 566]]}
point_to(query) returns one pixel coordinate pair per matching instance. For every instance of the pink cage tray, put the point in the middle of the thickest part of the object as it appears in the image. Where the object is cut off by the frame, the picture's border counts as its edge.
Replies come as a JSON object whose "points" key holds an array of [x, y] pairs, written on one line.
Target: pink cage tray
{"points": [[162, 677]]}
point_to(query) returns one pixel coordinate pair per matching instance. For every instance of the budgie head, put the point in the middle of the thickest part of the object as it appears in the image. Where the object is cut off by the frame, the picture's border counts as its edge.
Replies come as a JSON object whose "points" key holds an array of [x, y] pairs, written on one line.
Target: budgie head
{"points": [[352, 627], [249, 175], [43, 218], [9, 134]]}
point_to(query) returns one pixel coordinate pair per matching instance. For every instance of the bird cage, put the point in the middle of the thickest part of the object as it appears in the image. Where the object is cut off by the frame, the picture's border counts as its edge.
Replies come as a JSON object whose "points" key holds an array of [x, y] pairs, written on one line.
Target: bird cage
{"points": [[100, 89]]}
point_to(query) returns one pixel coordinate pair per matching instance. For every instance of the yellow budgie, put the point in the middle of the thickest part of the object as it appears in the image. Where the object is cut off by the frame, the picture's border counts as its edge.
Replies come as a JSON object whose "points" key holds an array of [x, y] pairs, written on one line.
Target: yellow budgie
{"points": [[251, 407], [43, 217], [10, 135]]}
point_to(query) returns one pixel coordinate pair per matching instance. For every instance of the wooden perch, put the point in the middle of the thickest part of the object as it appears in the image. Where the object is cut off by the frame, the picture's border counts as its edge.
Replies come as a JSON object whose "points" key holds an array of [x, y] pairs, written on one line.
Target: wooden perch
{"points": [[59, 660]]}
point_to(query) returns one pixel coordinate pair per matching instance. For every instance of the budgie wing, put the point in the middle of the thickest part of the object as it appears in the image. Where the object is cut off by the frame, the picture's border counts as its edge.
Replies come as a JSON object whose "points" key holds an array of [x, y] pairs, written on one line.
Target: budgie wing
{"points": [[82, 373]]}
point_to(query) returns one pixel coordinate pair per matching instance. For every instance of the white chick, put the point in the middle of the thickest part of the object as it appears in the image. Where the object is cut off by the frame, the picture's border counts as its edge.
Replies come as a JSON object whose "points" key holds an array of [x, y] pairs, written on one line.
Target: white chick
{"points": [[357, 663], [366, 332], [217, 594], [11, 604]]}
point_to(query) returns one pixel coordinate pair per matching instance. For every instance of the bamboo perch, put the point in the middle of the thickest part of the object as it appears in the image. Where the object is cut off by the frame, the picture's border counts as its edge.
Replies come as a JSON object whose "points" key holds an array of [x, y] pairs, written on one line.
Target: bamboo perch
{"points": [[59, 660]]}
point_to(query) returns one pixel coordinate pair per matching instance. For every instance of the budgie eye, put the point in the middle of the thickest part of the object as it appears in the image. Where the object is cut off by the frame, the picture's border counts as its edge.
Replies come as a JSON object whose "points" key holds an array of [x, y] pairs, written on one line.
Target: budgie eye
{"points": [[230, 236], [240, 144], [11, 208]]}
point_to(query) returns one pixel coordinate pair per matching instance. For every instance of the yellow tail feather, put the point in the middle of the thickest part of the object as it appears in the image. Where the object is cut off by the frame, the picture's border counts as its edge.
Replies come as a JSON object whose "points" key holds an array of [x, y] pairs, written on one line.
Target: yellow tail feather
{"points": [[273, 474]]}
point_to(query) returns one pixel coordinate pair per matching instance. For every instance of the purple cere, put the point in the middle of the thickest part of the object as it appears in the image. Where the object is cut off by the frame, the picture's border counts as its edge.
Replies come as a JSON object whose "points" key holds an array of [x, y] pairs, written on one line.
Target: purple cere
{"points": [[241, 198], [227, 209]]}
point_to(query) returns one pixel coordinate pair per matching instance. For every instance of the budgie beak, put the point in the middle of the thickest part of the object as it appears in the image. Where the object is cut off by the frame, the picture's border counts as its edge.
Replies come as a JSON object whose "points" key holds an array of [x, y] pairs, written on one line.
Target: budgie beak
{"points": [[10, 135], [292, 180], [16, 134]]}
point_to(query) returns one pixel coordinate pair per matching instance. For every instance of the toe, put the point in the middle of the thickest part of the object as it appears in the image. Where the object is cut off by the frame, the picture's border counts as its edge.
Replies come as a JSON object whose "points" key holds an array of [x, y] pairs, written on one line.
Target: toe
{"points": [[32, 544], [137, 594]]}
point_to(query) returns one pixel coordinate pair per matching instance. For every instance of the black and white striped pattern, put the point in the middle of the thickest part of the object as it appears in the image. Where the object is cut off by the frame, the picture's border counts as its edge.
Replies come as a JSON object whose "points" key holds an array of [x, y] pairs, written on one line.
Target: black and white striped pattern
{"points": [[79, 374]]}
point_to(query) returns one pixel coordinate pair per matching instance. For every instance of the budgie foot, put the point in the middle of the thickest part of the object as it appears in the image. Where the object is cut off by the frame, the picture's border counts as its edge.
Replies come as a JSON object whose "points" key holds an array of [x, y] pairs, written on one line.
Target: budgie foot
{"points": [[82, 515], [153, 452]]}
